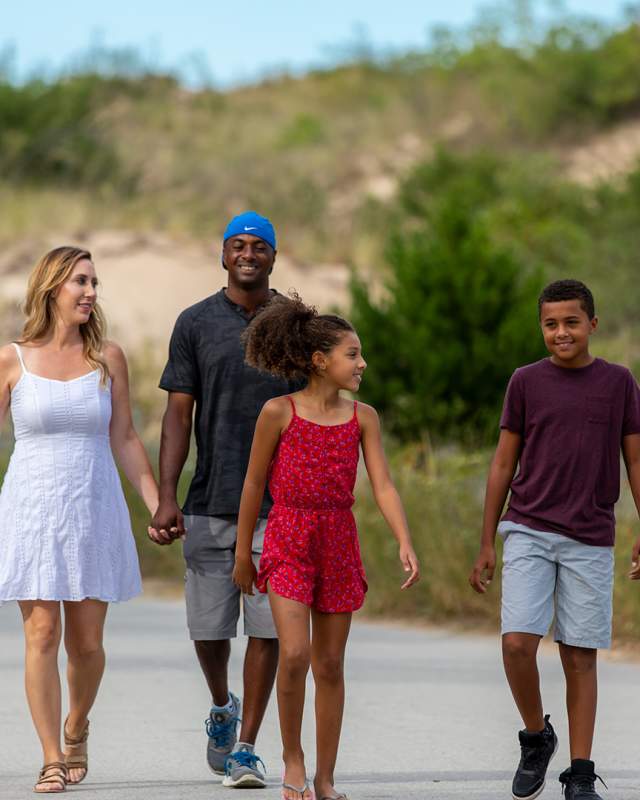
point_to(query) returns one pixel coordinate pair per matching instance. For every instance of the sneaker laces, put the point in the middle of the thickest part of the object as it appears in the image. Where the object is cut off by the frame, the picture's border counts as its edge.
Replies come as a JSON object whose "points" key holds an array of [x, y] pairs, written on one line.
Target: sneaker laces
{"points": [[532, 758], [582, 782], [222, 733], [245, 759]]}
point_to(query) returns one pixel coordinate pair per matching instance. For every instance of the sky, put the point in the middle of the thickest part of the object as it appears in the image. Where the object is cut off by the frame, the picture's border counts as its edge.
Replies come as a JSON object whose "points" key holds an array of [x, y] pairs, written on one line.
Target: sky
{"points": [[233, 42]]}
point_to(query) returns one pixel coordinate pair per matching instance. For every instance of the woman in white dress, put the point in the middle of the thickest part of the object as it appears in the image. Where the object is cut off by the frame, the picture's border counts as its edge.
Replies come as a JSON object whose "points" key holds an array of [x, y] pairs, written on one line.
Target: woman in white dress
{"points": [[65, 532]]}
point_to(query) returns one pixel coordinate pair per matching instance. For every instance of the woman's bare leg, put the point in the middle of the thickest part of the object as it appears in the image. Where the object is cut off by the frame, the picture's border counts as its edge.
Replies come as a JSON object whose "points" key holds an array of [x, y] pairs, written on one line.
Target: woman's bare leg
{"points": [[292, 624], [328, 644], [42, 632], [83, 631]]}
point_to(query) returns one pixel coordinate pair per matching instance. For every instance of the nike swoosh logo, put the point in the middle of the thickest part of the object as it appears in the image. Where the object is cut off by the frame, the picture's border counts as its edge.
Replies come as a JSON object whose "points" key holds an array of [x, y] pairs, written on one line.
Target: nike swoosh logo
{"points": [[250, 229]]}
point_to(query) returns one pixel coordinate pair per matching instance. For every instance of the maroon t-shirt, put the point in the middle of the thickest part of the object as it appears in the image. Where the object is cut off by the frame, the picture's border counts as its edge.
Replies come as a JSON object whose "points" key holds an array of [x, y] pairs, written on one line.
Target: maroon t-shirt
{"points": [[572, 422]]}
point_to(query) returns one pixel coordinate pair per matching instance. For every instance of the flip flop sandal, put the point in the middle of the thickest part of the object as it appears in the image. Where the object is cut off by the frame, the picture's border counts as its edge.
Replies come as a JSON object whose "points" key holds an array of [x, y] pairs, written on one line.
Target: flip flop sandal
{"points": [[341, 796], [54, 777], [305, 788], [76, 755]]}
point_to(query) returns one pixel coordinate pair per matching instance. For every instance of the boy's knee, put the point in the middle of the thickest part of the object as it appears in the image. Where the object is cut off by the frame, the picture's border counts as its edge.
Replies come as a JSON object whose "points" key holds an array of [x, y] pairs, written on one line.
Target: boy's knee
{"points": [[519, 646], [580, 660]]}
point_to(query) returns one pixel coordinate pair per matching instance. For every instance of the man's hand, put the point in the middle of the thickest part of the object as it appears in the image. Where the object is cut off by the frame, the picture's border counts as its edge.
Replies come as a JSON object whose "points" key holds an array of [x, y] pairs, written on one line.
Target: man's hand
{"points": [[167, 524], [244, 574], [482, 573]]}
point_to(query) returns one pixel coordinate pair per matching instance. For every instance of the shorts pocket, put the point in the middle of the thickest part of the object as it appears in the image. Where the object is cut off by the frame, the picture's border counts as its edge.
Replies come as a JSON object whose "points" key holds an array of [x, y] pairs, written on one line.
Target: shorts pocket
{"points": [[598, 410]]}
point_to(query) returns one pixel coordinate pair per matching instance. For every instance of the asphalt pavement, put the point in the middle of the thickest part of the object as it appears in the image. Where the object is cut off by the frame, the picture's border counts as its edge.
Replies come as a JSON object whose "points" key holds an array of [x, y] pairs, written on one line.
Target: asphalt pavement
{"points": [[428, 715]]}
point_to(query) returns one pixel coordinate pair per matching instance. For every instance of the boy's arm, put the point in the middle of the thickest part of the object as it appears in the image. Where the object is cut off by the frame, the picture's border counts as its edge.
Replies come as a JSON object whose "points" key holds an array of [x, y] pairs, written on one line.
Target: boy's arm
{"points": [[631, 455], [501, 472], [385, 493], [265, 440]]}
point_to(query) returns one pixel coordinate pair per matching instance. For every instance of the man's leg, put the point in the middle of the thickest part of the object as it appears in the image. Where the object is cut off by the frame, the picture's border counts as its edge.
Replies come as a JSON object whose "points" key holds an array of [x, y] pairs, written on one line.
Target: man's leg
{"points": [[260, 667], [213, 607], [213, 656], [581, 673]]}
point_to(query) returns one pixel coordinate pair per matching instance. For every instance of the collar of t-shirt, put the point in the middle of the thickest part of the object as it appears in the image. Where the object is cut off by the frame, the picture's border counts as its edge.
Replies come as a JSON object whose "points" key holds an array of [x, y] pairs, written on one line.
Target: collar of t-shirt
{"points": [[241, 309]]}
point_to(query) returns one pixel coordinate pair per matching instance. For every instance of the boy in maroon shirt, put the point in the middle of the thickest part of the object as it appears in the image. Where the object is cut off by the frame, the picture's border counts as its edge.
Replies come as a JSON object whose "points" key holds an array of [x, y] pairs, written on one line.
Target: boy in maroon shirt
{"points": [[565, 420]]}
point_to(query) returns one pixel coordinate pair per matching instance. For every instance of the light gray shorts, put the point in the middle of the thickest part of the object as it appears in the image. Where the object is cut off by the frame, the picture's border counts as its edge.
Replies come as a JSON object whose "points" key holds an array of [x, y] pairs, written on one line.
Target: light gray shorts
{"points": [[543, 571], [213, 599]]}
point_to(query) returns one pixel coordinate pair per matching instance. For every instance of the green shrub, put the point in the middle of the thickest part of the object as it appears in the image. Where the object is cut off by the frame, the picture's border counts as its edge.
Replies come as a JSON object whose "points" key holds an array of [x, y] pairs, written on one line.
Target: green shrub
{"points": [[457, 317]]}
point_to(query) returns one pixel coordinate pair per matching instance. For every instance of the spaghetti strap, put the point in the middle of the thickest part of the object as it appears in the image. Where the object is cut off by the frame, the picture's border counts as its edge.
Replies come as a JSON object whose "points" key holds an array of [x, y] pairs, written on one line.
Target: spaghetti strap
{"points": [[293, 405], [355, 409], [20, 359]]}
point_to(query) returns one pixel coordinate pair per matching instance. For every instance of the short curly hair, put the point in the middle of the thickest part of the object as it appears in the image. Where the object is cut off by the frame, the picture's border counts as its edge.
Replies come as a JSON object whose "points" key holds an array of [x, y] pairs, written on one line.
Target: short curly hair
{"points": [[285, 334], [558, 291]]}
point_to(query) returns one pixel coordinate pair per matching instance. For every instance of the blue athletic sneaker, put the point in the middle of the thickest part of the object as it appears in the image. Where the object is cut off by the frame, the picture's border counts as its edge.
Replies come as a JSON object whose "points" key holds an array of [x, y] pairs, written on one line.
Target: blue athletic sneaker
{"points": [[242, 771], [221, 727]]}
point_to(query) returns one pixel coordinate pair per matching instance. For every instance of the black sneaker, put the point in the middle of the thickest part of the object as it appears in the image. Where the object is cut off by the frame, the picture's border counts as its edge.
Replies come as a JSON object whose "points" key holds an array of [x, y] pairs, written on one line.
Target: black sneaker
{"points": [[537, 751], [579, 781]]}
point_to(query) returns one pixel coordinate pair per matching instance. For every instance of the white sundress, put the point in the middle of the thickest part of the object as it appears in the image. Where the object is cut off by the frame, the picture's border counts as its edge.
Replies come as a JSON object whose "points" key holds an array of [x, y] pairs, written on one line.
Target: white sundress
{"points": [[65, 531]]}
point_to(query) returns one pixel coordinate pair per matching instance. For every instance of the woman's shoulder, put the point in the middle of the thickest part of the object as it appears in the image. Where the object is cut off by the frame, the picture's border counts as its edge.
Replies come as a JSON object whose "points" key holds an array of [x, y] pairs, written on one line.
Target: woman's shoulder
{"points": [[10, 368], [113, 354], [8, 356]]}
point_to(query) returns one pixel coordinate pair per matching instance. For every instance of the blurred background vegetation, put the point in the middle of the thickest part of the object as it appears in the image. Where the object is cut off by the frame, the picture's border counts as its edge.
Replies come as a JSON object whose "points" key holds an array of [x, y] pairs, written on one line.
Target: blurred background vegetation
{"points": [[454, 182]]}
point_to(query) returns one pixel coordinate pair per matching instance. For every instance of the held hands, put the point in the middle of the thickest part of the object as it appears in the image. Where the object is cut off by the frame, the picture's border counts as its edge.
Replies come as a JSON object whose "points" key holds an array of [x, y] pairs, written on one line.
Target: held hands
{"points": [[482, 573], [410, 564], [244, 574], [167, 524], [634, 573]]}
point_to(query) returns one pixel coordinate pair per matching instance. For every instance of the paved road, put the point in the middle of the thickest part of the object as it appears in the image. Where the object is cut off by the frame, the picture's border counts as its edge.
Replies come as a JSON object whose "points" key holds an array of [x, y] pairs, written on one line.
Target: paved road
{"points": [[428, 716]]}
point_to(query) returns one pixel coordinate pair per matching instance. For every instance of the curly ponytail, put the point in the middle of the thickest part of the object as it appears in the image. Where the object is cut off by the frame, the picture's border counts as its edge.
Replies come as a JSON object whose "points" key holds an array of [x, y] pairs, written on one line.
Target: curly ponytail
{"points": [[283, 337]]}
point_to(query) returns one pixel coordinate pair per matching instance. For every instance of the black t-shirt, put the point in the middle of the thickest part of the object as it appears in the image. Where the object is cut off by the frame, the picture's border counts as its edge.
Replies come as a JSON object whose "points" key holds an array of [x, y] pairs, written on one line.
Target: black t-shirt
{"points": [[206, 360]]}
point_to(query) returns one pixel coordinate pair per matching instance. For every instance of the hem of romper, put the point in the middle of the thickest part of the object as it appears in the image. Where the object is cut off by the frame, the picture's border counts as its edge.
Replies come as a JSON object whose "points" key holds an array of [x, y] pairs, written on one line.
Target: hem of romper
{"points": [[75, 599], [348, 610], [263, 579]]}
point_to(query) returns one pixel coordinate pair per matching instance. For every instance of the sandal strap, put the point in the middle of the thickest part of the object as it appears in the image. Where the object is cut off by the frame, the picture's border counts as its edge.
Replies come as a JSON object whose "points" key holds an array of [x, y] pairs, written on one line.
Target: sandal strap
{"points": [[80, 759], [54, 772], [305, 788], [71, 741]]}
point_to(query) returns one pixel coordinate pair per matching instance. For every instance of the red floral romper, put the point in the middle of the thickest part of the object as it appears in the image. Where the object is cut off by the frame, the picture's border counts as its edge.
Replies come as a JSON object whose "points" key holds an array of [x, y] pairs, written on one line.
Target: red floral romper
{"points": [[311, 552]]}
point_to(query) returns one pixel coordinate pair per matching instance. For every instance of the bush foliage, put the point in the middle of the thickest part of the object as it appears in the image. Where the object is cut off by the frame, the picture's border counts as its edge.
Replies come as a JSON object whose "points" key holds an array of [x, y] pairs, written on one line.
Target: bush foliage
{"points": [[457, 316]]}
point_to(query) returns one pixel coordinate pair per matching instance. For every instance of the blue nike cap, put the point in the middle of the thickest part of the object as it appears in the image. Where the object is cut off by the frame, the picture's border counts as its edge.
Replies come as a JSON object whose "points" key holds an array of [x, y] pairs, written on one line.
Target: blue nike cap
{"points": [[252, 223]]}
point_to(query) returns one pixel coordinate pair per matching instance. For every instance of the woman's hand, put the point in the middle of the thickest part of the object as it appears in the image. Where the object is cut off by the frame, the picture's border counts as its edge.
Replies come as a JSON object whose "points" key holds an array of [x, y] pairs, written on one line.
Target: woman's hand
{"points": [[244, 574], [410, 564]]}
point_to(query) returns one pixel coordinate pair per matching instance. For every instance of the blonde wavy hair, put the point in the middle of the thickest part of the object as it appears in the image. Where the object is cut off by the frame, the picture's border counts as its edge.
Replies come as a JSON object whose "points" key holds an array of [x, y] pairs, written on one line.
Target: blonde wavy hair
{"points": [[51, 271]]}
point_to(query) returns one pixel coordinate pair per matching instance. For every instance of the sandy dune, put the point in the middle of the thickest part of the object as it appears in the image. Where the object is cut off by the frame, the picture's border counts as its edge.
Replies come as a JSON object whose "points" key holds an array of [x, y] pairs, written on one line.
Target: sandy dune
{"points": [[147, 279]]}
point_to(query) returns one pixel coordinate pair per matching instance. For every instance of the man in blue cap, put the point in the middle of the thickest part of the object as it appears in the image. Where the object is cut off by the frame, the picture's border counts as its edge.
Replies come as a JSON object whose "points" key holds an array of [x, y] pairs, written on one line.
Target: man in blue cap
{"points": [[206, 372]]}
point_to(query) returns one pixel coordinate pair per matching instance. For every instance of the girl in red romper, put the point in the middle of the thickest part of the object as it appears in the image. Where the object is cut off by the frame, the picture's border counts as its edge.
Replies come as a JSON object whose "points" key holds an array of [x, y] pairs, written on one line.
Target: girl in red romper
{"points": [[307, 446]]}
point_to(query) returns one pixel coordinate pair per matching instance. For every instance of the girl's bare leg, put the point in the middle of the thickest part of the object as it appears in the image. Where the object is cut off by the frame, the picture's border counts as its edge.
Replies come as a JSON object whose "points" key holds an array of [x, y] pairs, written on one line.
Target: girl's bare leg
{"points": [[292, 624], [83, 631], [42, 632], [328, 644]]}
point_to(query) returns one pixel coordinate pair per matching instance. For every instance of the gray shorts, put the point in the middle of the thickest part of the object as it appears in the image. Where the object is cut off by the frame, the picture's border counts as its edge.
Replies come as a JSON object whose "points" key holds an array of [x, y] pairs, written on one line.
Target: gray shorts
{"points": [[213, 599], [543, 572]]}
